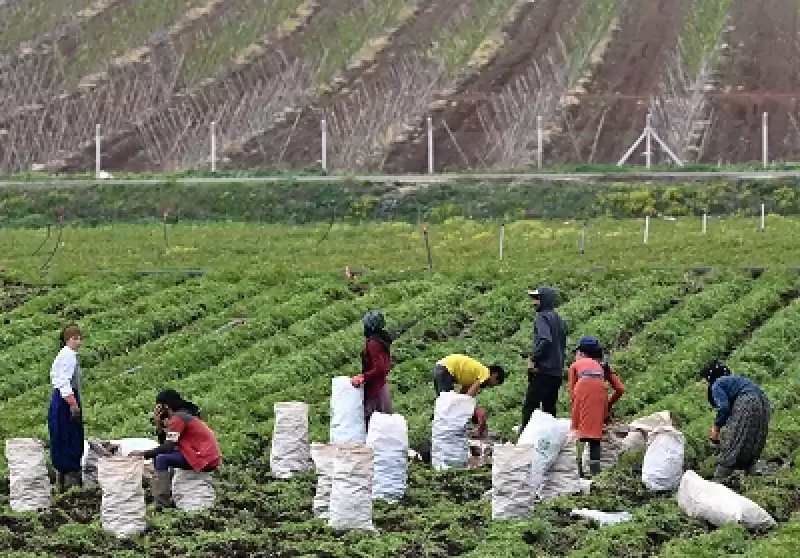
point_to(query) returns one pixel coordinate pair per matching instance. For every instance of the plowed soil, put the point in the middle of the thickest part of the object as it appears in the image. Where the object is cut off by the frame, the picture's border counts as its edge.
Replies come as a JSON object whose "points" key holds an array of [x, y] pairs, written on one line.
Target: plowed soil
{"points": [[531, 37], [300, 139], [633, 65], [765, 54]]}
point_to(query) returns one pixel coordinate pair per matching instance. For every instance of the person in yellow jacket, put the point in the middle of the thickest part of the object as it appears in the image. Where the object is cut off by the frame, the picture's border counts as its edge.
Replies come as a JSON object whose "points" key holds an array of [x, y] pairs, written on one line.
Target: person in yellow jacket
{"points": [[472, 376]]}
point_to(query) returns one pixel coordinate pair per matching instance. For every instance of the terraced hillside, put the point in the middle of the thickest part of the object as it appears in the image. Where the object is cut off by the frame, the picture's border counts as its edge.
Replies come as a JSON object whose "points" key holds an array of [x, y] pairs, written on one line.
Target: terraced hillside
{"points": [[143, 334], [154, 77]]}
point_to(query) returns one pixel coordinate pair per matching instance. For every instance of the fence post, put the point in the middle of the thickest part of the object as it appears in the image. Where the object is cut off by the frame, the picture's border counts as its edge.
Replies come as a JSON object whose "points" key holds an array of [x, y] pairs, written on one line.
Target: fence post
{"points": [[324, 132], [648, 143], [764, 140], [582, 243], [213, 146], [430, 145], [539, 147], [705, 223], [502, 238], [427, 247], [762, 218], [97, 163], [646, 227]]}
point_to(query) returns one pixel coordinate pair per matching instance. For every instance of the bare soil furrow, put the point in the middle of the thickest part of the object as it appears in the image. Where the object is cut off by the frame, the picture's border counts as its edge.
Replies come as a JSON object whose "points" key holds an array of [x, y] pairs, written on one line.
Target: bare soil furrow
{"points": [[462, 143], [601, 131], [264, 78], [765, 47], [296, 141], [532, 26]]}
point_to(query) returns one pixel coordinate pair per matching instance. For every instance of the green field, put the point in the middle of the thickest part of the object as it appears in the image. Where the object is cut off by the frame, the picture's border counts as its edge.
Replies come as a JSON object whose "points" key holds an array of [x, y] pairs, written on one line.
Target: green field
{"points": [[662, 320]]}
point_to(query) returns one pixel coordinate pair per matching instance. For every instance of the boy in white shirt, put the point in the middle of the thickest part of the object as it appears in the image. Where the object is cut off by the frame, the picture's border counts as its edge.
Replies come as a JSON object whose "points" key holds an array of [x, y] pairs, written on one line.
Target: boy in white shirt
{"points": [[64, 421]]}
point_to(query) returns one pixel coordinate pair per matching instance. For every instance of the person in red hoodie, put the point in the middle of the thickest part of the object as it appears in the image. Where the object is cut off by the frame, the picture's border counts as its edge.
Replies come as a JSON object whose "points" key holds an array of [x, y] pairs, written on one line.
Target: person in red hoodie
{"points": [[189, 444], [376, 363]]}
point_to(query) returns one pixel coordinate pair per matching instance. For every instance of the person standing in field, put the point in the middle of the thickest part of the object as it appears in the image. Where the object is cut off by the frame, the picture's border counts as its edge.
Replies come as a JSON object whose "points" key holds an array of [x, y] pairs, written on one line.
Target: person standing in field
{"points": [[64, 419], [744, 410], [548, 355], [376, 363], [188, 444], [588, 391], [472, 376]]}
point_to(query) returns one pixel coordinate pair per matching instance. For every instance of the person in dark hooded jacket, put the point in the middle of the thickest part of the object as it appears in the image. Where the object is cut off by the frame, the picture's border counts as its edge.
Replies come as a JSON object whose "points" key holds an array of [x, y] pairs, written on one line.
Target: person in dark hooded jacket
{"points": [[376, 363], [548, 355]]}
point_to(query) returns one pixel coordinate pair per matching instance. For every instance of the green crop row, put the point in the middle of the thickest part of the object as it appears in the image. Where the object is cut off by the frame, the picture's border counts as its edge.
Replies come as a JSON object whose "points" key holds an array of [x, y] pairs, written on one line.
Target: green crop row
{"points": [[712, 338], [331, 48], [63, 304], [702, 31], [120, 330], [457, 40], [35, 16], [240, 26], [131, 26]]}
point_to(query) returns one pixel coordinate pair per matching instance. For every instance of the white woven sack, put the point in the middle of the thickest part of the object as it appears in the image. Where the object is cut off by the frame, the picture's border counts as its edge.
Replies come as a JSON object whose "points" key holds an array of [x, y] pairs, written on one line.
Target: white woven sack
{"points": [[662, 467], [322, 455], [649, 423], [192, 490], [388, 438], [718, 504], [351, 489], [512, 497], [564, 476], [449, 443], [347, 412], [547, 435], [122, 509], [127, 445], [290, 452], [29, 488]]}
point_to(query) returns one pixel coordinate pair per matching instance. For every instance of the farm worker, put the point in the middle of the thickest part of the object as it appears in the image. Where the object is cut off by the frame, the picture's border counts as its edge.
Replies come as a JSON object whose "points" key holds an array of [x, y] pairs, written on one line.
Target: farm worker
{"points": [[588, 392], [189, 444], [548, 355], [743, 408], [64, 420], [376, 363], [472, 376]]}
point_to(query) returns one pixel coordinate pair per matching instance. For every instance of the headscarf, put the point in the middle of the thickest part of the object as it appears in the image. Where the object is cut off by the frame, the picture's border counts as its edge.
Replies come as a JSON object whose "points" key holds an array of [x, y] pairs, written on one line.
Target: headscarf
{"points": [[712, 372], [591, 347], [173, 400], [374, 324]]}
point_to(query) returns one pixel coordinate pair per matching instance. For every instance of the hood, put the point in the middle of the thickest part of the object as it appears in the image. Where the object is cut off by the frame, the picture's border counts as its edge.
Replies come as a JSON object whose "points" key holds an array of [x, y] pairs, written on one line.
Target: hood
{"points": [[547, 296]]}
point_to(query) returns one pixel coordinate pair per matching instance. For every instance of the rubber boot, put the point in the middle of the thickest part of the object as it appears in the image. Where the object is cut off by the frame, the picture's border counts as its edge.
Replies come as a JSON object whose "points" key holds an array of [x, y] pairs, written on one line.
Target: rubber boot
{"points": [[722, 473], [753, 470], [60, 482], [161, 486], [594, 467], [72, 479]]}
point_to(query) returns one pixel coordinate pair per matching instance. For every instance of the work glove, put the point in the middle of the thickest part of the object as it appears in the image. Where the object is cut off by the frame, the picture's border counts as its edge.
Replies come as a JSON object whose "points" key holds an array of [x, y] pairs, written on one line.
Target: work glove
{"points": [[357, 380], [531, 366], [714, 435]]}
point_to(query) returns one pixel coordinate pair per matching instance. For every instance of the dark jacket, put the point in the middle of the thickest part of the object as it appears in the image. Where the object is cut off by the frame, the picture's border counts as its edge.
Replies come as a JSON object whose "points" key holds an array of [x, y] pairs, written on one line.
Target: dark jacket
{"points": [[724, 392], [549, 336]]}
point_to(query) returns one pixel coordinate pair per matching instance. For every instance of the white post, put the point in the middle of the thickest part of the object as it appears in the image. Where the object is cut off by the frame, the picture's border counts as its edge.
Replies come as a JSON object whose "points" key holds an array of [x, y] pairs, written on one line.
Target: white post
{"points": [[648, 142], [324, 131], [97, 151], [213, 146], [646, 227], [502, 239], [762, 217], [430, 145], [539, 147], [705, 223], [764, 140]]}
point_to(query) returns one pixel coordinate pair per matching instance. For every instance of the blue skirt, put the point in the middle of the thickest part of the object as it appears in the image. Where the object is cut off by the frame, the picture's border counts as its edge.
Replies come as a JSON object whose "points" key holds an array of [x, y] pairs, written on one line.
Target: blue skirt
{"points": [[66, 437]]}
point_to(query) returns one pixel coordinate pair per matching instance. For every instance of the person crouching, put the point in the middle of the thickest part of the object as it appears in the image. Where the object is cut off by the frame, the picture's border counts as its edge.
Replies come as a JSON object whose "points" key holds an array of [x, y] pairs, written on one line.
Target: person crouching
{"points": [[189, 444]]}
